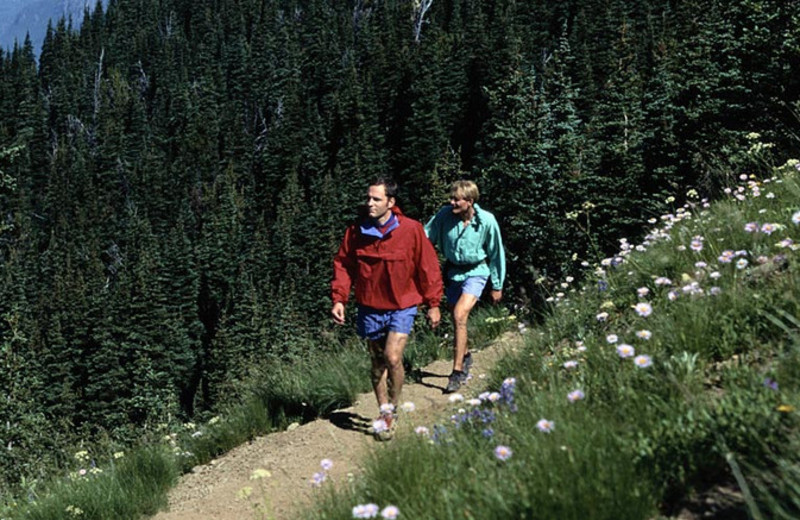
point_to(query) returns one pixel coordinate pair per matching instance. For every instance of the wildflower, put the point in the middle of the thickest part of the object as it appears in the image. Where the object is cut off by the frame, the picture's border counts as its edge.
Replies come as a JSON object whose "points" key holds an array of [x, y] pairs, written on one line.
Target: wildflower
{"points": [[493, 397], [741, 263], [326, 464], [379, 426], [726, 257], [785, 243], [696, 246], [714, 275], [603, 316], [612, 338], [643, 309], [662, 280], [422, 430], [769, 383], [786, 408], [318, 478], [408, 407], [796, 218], [625, 351], [681, 248], [602, 285], [644, 334], [387, 408], [751, 227], [487, 433], [570, 364], [119, 454], [455, 398], [700, 265], [672, 296], [260, 473], [642, 292], [642, 361], [768, 228], [575, 395], [365, 511], [213, 420], [545, 426], [197, 434], [761, 259], [82, 455], [73, 510], [390, 512], [608, 304], [715, 291], [82, 472], [503, 453]]}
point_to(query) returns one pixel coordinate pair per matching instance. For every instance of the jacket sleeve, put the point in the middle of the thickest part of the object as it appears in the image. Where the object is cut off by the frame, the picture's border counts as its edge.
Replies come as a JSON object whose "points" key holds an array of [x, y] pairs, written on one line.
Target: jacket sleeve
{"points": [[344, 269], [496, 256], [429, 275]]}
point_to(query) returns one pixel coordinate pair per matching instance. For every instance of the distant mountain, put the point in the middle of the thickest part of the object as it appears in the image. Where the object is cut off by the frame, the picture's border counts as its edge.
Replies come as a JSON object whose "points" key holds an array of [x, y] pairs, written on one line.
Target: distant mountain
{"points": [[18, 17]]}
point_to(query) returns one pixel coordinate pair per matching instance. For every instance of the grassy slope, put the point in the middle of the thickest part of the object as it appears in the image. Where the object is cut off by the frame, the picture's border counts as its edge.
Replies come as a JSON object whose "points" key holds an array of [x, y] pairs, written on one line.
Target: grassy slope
{"points": [[714, 401]]}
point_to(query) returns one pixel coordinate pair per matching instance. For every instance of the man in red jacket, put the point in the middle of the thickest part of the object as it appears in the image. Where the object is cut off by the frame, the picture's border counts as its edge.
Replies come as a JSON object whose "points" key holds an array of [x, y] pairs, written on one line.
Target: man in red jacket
{"points": [[394, 268]]}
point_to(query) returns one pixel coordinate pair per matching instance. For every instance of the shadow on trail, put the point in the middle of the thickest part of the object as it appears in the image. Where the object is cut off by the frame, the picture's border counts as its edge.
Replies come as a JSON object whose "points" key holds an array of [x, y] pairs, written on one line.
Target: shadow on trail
{"points": [[419, 376], [350, 421]]}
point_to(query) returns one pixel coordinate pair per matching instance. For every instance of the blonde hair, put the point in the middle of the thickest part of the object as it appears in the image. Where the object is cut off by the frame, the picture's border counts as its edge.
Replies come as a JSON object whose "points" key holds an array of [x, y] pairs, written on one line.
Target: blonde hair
{"points": [[466, 190]]}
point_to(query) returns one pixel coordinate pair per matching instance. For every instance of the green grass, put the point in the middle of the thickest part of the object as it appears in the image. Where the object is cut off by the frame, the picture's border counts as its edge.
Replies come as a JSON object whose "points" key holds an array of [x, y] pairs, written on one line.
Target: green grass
{"points": [[717, 405], [276, 394]]}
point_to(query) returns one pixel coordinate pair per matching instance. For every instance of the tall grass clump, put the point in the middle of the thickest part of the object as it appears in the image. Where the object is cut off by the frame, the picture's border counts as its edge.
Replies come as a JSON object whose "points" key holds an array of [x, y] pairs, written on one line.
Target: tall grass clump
{"points": [[671, 370], [133, 483]]}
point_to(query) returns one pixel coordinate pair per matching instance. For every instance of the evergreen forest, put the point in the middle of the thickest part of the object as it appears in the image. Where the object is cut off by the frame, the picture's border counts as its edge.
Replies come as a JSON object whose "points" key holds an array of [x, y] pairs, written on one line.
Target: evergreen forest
{"points": [[175, 175]]}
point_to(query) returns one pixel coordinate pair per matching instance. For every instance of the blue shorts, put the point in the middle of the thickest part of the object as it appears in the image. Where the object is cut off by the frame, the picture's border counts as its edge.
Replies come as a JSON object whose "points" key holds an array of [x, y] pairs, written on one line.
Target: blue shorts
{"points": [[473, 285], [375, 323]]}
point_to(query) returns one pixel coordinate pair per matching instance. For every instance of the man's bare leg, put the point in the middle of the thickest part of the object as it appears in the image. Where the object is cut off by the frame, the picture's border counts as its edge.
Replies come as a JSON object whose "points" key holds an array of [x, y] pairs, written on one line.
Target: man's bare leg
{"points": [[388, 373]]}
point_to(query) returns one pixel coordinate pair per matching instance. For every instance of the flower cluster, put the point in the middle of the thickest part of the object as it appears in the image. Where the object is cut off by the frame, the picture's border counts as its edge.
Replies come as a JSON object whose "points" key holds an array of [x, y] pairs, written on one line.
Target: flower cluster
{"points": [[389, 512], [321, 476]]}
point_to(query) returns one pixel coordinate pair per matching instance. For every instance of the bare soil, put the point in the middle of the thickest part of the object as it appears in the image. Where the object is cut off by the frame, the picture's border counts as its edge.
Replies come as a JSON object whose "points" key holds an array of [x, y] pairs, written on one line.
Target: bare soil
{"points": [[212, 491]]}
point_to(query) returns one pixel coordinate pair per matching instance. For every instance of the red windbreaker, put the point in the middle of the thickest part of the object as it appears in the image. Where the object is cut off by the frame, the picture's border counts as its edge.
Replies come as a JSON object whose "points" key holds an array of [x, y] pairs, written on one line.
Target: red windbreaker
{"points": [[397, 271]]}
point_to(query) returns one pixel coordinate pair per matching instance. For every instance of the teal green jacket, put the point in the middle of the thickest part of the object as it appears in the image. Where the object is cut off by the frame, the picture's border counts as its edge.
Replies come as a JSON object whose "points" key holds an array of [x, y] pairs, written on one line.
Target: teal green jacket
{"points": [[472, 250]]}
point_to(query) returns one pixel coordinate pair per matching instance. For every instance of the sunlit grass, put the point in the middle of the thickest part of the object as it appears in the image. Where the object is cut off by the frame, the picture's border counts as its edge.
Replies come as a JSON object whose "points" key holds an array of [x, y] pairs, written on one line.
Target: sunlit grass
{"points": [[671, 369]]}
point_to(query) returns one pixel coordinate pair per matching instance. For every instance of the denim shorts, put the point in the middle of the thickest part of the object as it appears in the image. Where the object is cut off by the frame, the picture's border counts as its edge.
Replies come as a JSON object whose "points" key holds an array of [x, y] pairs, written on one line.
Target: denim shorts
{"points": [[473, 285], [375, 323]]}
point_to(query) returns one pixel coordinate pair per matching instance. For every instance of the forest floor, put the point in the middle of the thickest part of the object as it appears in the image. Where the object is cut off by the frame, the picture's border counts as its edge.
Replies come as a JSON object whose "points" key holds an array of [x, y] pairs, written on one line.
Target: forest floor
{"points": [[213, 490]]}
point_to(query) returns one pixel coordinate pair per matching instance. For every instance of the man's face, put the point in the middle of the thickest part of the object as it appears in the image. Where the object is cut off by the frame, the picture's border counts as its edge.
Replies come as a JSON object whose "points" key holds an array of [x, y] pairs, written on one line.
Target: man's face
{"points": [[460, 206], [378, 203]]}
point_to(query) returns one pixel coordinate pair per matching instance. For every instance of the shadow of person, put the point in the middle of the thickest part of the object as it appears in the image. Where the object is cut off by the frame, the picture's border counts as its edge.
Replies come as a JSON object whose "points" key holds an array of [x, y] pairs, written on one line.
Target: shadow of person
{"points": [[421, 375], [350, 421]]}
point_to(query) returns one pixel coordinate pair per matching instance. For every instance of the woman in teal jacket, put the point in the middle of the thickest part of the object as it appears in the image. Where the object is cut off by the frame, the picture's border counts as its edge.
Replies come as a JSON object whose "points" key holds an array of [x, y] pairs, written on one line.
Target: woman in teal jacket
{"points": [[469, 238]]}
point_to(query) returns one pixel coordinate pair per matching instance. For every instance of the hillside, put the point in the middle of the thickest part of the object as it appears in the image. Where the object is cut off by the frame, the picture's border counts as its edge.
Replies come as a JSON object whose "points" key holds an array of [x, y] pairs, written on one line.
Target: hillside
{"points": [[293, 456]]}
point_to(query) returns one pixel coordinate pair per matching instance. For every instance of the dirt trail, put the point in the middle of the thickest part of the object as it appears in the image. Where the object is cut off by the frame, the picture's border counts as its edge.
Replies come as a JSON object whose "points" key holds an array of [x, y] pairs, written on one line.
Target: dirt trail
{"points": [[211, 491]]}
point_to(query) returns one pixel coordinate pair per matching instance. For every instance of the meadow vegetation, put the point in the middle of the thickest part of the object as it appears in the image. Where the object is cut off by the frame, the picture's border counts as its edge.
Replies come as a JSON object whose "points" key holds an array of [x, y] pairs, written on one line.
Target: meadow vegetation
{"points": [[670, 370]]}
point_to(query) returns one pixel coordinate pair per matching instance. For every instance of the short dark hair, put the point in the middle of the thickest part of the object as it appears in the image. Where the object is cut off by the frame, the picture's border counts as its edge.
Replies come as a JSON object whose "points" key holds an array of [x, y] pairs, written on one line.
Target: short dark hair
{"points": [[389, 186]]}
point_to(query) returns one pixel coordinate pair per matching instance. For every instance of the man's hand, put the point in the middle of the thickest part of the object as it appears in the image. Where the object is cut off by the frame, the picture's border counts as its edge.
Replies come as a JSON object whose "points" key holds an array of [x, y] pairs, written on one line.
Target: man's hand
{"points": [[337, 312], [435, 316], [497, 296]]}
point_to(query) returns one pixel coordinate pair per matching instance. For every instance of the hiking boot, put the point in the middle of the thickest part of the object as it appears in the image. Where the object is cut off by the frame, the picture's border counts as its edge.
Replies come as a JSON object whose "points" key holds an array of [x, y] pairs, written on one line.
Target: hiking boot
{"points": [[384, 426], [467, 363], [454, 382]]}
